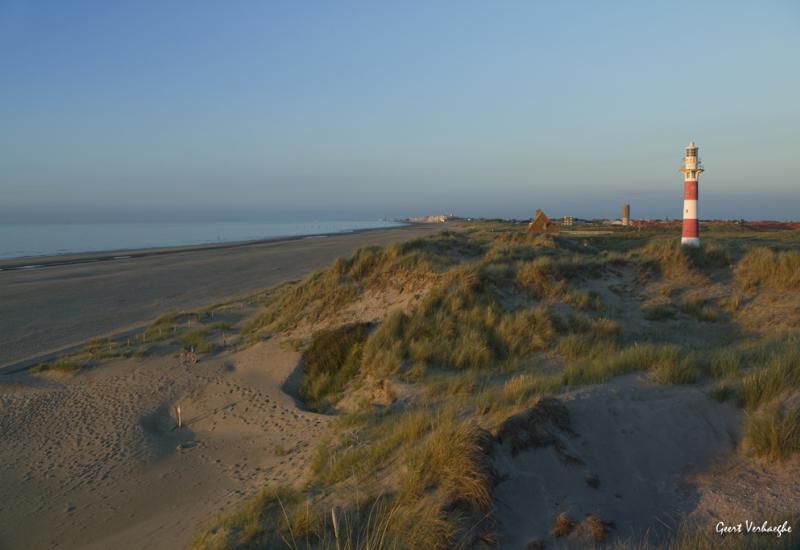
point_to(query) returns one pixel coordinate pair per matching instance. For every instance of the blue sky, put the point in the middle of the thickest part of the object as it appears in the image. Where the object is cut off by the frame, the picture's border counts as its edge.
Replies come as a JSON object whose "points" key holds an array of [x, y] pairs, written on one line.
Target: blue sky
{"points": [[360, 110]]}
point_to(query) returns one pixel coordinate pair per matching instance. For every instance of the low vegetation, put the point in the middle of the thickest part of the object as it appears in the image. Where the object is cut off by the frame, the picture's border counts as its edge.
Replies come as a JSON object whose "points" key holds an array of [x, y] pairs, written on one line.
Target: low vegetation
{"points": [[774, 431], [63, 365], [197, 340], [330, 362], [504, 319], [490, 322], [763, 266]]}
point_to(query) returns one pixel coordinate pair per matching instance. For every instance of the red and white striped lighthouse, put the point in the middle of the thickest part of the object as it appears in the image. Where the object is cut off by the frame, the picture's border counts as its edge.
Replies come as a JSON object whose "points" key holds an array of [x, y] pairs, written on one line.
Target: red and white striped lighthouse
{"points": [[691, 174]]}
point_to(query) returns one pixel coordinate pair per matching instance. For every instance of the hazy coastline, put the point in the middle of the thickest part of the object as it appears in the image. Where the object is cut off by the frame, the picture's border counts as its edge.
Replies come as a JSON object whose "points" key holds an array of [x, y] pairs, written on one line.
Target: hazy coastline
{"points": [[46, 241]]}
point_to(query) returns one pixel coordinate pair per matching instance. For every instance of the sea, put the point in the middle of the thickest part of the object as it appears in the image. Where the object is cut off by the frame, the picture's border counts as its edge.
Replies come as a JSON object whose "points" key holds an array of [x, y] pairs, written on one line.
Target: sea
{"points": [[31, 240]]}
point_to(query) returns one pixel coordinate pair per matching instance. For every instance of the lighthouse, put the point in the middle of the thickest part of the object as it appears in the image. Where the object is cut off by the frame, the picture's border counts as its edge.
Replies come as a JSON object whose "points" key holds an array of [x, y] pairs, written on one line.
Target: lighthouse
{"points": [[691, 174]]}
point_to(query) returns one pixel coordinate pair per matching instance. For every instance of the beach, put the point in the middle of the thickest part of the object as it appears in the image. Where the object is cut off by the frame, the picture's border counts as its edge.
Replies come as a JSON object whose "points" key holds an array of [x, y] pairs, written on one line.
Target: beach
{"points": [[84, 296], [590, 419], [97, 461]]}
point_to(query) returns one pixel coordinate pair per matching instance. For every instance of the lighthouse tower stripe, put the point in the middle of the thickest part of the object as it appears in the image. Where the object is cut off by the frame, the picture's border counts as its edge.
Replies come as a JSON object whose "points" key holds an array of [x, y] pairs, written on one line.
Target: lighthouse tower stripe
{"points": [[689, 210], [691, 229], [690, 190]]}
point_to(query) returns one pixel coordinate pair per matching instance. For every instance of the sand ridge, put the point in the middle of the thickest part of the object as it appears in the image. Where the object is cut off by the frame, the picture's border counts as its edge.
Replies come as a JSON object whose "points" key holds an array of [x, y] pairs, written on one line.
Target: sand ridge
{"points": [[642, 456], [95, 460]]}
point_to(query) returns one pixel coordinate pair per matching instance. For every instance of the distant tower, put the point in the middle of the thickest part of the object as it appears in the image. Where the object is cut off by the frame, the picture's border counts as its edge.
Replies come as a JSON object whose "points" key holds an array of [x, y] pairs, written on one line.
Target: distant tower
{"points": [[691, 174], [626, 214]]}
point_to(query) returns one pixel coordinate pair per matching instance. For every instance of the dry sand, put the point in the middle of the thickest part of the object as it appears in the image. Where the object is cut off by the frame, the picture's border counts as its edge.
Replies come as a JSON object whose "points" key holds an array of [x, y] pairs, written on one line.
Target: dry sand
{"points": [[43, 310], [96, 461], [655, 455]]}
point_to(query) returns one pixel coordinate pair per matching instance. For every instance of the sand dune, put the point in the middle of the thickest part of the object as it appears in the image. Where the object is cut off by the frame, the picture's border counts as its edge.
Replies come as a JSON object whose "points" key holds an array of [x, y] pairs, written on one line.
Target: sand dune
{"points": [[48, 309], [638, 455], [95, 461]]}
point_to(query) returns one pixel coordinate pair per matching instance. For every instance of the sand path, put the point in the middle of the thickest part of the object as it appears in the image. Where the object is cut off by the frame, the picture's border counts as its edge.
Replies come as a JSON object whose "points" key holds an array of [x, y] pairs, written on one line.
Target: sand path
{"points": [[95, 461]]}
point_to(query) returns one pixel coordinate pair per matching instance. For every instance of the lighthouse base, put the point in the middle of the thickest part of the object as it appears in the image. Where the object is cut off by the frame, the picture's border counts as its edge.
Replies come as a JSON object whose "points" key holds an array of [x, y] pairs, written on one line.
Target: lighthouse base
{"points": [[690, 241]]}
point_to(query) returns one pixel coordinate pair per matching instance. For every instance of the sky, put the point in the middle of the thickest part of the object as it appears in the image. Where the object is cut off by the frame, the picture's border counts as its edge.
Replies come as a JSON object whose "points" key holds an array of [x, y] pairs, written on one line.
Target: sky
{"points": [[194, 110]]}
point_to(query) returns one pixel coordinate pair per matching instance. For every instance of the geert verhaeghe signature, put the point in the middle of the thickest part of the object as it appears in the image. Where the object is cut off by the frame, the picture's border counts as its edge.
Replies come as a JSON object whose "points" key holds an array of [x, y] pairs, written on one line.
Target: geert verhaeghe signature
{"points": [[752, 527]]}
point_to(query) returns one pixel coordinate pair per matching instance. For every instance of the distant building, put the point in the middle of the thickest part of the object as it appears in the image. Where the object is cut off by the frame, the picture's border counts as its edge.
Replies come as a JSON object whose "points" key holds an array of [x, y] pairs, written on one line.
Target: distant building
{"points": [[438, 218], [568, 221], [542, 224], [626, 214]]}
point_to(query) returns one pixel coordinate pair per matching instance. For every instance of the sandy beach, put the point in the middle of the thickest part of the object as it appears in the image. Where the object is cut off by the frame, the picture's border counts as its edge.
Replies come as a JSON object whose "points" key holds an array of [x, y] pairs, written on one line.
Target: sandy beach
{"points": [[97, 461], [47, 309]]}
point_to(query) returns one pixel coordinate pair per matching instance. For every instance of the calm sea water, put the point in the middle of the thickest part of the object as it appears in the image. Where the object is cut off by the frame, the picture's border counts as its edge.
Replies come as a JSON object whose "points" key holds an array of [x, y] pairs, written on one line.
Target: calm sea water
{"points": [[26, 240]]}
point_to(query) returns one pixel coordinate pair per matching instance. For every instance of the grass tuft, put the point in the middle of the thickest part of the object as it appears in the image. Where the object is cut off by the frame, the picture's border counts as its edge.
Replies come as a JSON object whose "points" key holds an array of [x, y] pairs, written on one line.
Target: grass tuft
{"points": [[762, 266], [62, 365], [197, 340], [774, 431]]}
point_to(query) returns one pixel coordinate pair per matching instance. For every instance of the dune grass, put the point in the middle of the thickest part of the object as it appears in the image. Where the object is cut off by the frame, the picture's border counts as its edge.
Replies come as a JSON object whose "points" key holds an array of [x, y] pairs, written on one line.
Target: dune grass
{"points": [[774, 431], [771, 375], [667, 364], [444, 494], [460, 324], [332, 359], [676, 262], [700, 309], [503, 318], [198, 340], [60, 365], [659, 312], [764, 267], [273, 518]]}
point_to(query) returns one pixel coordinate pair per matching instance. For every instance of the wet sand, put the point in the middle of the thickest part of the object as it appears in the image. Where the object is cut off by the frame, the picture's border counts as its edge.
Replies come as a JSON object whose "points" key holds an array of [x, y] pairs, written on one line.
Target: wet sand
{"points": [[51, 308]]}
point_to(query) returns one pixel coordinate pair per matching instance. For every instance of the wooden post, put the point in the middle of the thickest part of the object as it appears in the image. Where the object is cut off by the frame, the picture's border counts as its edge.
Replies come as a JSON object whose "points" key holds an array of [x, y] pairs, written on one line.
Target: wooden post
{"points": [[335, 525]]}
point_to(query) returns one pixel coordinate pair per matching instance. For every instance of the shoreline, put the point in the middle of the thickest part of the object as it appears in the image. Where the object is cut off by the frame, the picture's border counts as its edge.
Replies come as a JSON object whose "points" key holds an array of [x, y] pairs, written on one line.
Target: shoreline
{"points": [[73, 258], [68, 301]]}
